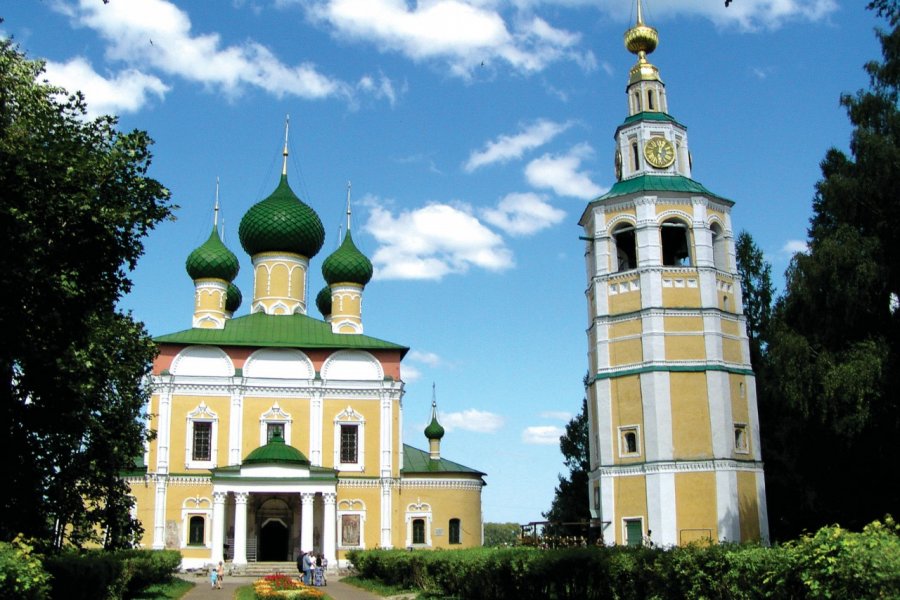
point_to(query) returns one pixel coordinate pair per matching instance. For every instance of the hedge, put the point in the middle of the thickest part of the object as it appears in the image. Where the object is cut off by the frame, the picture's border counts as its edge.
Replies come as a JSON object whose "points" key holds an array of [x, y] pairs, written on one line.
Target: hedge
{"points": [[832, 563]]}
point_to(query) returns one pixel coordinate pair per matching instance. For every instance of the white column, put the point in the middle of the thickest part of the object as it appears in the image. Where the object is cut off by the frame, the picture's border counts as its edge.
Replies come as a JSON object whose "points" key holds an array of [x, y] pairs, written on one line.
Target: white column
{"points": [[330, 524], [387, 435], [235, 423], [159, 515], [218, 526], [162, 434], [386, 513], [306, 522], [240, 528], [315, 428]]}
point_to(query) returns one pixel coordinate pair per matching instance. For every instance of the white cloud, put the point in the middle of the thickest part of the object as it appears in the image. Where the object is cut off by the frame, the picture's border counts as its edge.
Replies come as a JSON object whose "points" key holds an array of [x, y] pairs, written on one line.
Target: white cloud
{"points": [[463, 33], [561, 173], [472, 419], [124, 92], [507, 147], [542, 435], [429, 358], [560, 415], [383, 87], [523, 214], [794, 246], [409, 373], [156, 34], [433, 241]]}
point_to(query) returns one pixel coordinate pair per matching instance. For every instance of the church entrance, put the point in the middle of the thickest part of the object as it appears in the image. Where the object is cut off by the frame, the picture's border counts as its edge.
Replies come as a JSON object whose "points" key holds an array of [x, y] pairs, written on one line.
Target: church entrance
{"points": [[273, 542]]}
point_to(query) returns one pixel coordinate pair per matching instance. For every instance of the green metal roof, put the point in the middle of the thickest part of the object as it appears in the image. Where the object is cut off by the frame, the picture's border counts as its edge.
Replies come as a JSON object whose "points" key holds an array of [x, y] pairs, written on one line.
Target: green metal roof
{"points": [[276, 452], [650, 116], [657, 183], [278, 331], [347, 264], [213, 260], [281, 223], [417, 461]]}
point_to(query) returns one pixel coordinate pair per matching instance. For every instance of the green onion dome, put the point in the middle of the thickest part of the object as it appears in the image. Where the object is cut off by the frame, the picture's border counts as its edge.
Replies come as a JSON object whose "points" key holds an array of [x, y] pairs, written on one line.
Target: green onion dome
{"points": [[276, 451], [323, 301], [434, 431], [347, 264], [282, 223], [233, 298], [212, 260]]}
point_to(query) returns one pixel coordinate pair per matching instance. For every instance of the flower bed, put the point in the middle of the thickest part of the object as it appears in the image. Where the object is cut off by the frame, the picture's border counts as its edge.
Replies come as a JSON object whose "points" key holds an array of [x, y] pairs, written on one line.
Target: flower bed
{"points": [[283, 587]]}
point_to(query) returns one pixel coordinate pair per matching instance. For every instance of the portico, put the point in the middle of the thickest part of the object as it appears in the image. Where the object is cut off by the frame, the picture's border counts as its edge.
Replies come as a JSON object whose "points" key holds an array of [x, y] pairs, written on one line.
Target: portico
{"points": [[272, 506]]}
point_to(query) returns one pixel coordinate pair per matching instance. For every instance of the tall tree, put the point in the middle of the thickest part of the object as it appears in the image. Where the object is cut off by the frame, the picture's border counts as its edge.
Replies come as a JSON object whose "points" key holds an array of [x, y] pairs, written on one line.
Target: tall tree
{"points": [[758, 292], [834, 346], [76, 204], [570, 502]]}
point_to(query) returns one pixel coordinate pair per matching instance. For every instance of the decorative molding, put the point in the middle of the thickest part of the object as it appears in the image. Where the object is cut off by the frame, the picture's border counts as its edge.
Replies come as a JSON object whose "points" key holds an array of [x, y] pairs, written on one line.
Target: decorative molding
{"points": [[354, 482], [692, 466], [444, 484], [682, 366]]}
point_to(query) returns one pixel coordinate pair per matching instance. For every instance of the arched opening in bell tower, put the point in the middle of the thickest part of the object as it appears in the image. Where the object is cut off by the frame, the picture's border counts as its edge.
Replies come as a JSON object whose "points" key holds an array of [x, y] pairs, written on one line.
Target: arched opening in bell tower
{"points": [[676, 247], [624, 247]]}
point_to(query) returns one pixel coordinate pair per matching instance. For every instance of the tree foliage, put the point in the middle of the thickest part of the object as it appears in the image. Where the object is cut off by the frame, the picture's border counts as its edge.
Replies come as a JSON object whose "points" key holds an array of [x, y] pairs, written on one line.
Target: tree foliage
{"points": [[76, 204], [570, 502], [501, 534], [834, 346]]}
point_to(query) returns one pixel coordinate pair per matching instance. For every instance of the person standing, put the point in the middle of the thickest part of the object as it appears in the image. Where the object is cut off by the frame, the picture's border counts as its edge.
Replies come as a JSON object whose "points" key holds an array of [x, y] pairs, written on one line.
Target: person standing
{"points": [[213, 577], [220, 575], [307, 568]]}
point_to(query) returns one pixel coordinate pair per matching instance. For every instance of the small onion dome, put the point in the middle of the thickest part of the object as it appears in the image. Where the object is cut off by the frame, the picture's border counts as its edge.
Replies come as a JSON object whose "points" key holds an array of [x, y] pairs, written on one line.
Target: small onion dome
{"points": [[347, 264], [323, 301], [276, 451], [282, 223], [434, 431], [212, 260], [641, 38], [233, 298]]}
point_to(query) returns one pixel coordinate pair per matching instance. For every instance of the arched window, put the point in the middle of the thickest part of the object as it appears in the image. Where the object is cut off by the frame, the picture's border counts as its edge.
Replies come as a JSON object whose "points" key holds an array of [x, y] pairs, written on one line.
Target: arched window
{"points": [[650, 100], [625, 247], [454, 531], [675, 239], [418, 531], [720, 250], [635, 157], [196, 531]]}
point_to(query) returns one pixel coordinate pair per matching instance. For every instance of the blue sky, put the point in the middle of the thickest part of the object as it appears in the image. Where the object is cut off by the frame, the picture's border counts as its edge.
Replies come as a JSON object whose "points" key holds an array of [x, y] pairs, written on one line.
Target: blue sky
{"points": [[473, 132]]}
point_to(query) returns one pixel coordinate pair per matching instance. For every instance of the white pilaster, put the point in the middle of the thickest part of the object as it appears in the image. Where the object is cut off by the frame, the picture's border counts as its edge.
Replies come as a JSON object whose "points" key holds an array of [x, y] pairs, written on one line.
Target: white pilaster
{"points": [[306, 526], [329, 535], [387, 435], [165, 426], [159, 514], [656, 402], [729, 520], [386, 513], [718, 396], [315, 428], [661, 508], [240, 528], [235, 422], [606, 437], [218, 527]]}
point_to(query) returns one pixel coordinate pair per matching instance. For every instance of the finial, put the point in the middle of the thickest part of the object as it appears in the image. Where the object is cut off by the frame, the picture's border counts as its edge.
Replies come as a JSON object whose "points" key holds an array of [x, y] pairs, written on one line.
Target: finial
{"points": [[349, 185], [433, 395], [640, 14], [216, 209], [287, 124]]}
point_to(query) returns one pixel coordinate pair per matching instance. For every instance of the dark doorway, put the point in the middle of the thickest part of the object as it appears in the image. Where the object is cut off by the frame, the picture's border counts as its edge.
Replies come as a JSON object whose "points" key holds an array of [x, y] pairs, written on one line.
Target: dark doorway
{"points": [[273, 542]]}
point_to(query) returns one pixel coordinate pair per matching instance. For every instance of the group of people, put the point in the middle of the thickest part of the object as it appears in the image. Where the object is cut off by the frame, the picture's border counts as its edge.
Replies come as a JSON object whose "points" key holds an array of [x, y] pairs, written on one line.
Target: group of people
{"points": [[216, 576], [312, 567]]}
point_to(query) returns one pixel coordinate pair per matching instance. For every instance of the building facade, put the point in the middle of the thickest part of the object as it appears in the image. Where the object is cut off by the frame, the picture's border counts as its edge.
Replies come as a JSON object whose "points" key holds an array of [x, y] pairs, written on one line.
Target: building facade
{"points": [[278, 432], [674, 432]]}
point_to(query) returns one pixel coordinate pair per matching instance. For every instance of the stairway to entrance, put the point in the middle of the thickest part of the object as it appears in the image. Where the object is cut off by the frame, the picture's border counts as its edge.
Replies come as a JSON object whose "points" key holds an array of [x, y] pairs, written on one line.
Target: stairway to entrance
{"points": [[259, 569]]}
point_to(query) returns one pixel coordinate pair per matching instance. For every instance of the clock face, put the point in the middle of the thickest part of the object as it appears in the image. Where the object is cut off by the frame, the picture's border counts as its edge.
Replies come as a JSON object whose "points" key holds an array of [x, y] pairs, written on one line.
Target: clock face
{"points": [[659, 152]]}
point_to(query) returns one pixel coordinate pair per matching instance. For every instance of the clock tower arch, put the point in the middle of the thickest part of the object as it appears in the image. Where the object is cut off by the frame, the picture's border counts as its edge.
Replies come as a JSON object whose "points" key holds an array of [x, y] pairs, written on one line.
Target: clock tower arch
{"points": [[674, 430]]}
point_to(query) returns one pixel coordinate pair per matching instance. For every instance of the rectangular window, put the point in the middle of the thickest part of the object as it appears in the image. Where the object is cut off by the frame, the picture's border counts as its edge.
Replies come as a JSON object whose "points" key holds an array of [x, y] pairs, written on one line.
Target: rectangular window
{"points": [[741, 445], [273, 429], [202, 449], [418, 531], [454, 531], [629, 441], [349, 444], [196, 533], [634, 532]]}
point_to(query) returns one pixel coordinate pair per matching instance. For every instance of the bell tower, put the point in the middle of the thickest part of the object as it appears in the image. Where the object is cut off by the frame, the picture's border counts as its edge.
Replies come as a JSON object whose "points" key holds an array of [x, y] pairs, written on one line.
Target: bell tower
{"points": [[674, 431]]}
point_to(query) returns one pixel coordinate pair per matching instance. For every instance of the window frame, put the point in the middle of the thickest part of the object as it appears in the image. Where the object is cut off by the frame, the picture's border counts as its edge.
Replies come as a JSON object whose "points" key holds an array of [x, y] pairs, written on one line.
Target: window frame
{"points": [[349, 418], [624, 430], [274, 416], [741, 430], [201, 414], [454, 531]]}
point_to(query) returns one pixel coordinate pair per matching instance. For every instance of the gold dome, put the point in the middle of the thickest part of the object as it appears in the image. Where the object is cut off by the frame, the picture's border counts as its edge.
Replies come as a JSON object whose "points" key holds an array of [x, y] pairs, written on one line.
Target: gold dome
{"points": [[641, 39]]}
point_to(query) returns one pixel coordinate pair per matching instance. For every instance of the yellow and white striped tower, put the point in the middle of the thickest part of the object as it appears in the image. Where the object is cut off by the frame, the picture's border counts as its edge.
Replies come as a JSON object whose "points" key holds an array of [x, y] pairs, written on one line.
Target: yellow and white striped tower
{"points": [[674, 432]]}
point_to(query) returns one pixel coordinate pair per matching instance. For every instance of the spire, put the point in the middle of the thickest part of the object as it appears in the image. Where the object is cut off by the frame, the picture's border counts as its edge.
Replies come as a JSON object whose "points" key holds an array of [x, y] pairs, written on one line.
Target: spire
{"points": [[434, 432], [216, 209], [284, 153], [349, 185]]}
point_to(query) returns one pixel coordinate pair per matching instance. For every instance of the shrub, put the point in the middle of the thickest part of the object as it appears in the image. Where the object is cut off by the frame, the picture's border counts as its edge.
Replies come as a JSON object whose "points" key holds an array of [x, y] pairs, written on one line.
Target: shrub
{"points": [[144, 568], [21, 573], [88, 576]]}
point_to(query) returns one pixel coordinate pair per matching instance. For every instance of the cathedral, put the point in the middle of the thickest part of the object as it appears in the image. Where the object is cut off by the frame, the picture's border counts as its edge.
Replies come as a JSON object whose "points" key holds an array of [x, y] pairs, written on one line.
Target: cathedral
{"points": [[279, 433], [674, 432]]}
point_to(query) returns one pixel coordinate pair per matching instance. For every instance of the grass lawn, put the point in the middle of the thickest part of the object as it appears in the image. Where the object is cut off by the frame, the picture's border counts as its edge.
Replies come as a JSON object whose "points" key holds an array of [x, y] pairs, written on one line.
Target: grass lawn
{"points": [[173, 590], [376, 587]]}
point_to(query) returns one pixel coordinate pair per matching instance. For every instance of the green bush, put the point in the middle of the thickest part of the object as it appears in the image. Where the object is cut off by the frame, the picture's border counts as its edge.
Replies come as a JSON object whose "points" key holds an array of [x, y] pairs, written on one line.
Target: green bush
{"points": [[104, 575], [833, 563], [21, 573], [144, 568]]}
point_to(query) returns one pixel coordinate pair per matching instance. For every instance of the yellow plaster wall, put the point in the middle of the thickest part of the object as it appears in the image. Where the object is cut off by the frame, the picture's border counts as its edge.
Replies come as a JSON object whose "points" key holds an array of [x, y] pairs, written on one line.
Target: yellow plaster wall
{"points": [[683, 324], [731, 350], [625, 328], [625, 303], [346, 303], [624, 211], [627, 409], [626, 352], [691, 435], [695, 507], [260, 281], [729, 327], [371, 497], [180, 407], [279, 279], [445, 504], [685, 347], [630, 500], [297, 280], [684, 207], [681, 297], [144, 493], [254, 407], [748, 505], [176, 494], [740, 410]]}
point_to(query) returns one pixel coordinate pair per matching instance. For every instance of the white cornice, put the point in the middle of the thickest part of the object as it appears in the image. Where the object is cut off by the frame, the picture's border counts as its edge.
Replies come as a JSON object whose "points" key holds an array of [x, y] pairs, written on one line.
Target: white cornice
{"points": [[680, 467]]}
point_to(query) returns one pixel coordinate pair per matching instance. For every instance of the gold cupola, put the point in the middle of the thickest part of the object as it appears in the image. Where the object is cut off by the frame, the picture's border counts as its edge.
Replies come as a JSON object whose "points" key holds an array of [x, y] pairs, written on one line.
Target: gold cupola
{"points": [[646, 90]]}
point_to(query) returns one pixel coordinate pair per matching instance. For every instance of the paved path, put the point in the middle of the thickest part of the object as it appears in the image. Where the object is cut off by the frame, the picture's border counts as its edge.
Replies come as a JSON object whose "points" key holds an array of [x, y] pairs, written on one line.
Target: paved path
{"points": [[202, 591]]}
